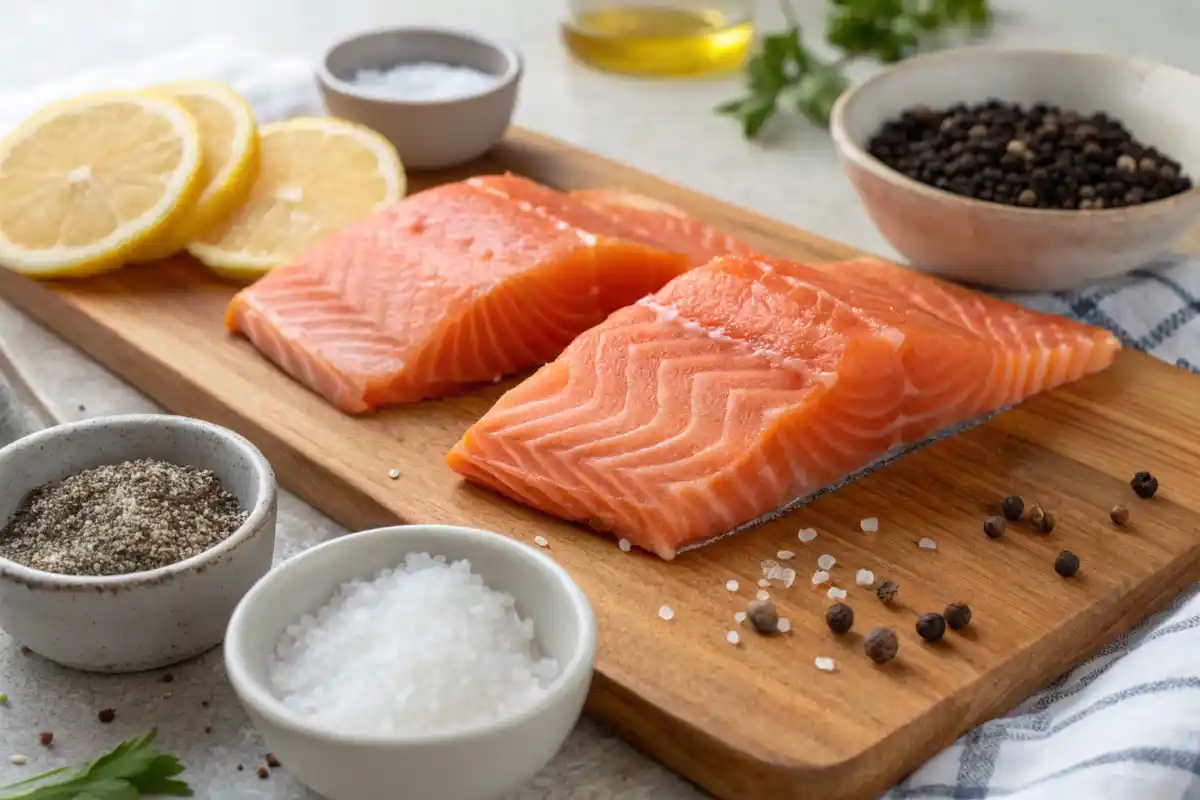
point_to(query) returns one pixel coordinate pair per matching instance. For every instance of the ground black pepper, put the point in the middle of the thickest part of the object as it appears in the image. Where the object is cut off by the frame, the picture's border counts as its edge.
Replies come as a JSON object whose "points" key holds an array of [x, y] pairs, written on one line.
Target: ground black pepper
{"points": [[886, 590], [763, 616], [1119, 514], [1144, 485], [881, 645], [994, 527], [122, 518], [1067, 564], [931, 627], [840, 618], [1038, 156], [1013, 507], [958, 616]]}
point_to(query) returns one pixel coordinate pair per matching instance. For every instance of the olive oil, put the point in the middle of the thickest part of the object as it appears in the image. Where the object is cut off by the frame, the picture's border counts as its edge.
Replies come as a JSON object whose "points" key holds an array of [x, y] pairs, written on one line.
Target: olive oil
{"points": [[681, 38]]}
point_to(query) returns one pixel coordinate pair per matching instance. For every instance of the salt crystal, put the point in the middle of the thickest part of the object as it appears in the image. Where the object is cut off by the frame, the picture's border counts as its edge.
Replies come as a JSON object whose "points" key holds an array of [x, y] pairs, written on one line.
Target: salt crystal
{"points": [[784, 555], [826, 561], [625, 545], [784, 625], [806, 535], [824, 664], [927, 544], [819, 577], [836, 594], [740, 616], [731, 586], [763, 582], [869, 525], [763, 595], [394, 474], [18, 760], [423, 80], [732, 637], [864, 577], [788, 578], [541, 541], [667, 613]]}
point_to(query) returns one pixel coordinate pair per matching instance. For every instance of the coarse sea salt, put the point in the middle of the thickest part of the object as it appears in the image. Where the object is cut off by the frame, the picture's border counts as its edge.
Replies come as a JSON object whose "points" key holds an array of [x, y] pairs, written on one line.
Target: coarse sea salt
{"points": [[541, 541], [864, 577], [819, 577], [826, 561], [784, 625], [423, 80], [806, 535], [824, 664], [731, 585], [763, 582], [784, 555], [740, 616], [423, 647], [927, 544], [732, 637], [869, 525], [667, 613], [835, 593], [625, 545], [763, 595]]}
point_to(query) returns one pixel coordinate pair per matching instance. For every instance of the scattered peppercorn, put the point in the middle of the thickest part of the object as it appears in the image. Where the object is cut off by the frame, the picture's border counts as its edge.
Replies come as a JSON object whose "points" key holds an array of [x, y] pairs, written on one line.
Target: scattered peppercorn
{"points": [[263, 773], [839, 618], [886, 590], [1144, 485], [107, 715], [168, 678], [763, 616], [240, 768], [958, 616], [1067, 564], [208, 728], [1013, 507], [1119, 514], [272, 761], [881, 645], [994, 527], [204, 704], [45, 738], [1046, 522], [931, 627], [1036, 156]]}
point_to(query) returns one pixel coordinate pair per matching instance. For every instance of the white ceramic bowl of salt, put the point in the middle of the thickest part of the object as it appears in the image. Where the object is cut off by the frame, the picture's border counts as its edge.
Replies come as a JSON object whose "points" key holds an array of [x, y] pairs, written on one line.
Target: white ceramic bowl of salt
{"points": [[441, 97], [412, 645]]}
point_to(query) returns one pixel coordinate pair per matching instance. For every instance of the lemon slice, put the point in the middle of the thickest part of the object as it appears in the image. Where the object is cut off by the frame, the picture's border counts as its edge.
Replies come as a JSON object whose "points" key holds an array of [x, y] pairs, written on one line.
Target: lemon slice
{"points": [[317, 175], [229, 141], [85, 181]]}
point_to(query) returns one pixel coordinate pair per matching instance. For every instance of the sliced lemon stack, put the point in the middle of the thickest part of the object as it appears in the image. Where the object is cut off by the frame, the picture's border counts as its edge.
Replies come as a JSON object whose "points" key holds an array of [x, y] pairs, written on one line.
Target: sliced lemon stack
{"points": [[316, 175], [85, 182], [229, 142]]}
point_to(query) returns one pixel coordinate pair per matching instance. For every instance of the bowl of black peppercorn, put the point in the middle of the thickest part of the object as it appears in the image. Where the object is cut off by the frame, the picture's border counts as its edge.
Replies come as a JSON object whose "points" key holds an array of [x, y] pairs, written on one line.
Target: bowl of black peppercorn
{"points": [[1025, 170]]}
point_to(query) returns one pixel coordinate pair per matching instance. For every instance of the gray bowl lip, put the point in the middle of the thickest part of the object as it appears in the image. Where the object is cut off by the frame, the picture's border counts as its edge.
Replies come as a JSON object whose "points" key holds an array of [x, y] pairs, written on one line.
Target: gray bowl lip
{"points": [[260, 699], [264, 504], [514, 65], [857, 152]]}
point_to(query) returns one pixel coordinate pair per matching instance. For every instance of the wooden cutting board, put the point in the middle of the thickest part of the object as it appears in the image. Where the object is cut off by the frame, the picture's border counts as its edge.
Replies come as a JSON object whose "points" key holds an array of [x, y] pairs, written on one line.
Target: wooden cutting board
{"points": [[755, 720]]}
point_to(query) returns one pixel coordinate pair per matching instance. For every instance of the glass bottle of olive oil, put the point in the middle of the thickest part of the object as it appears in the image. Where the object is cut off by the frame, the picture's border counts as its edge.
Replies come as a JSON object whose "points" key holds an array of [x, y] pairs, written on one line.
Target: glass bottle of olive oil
{"points": [[660, 37]]}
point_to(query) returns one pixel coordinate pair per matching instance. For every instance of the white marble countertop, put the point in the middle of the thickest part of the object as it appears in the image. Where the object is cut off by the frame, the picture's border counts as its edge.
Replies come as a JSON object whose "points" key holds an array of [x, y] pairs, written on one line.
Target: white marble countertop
{"points": [[663, 127]]}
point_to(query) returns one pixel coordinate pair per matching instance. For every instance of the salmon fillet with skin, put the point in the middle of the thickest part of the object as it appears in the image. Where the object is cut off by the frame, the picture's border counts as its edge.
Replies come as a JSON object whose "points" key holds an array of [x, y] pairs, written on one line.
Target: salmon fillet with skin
{"points": [[737, 389], [448, 288], [658, 224]]}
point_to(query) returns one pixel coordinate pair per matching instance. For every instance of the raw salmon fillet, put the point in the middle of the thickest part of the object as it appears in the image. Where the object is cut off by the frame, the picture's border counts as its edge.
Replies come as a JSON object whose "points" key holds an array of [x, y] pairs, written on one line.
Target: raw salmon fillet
{"points": [[449, 287], [749, 383], [658, 224]]}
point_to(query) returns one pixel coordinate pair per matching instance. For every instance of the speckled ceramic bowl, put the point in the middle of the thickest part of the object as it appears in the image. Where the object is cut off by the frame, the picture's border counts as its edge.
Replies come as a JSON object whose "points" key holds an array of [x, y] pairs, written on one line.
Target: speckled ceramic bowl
{"points": [[142, 620]]}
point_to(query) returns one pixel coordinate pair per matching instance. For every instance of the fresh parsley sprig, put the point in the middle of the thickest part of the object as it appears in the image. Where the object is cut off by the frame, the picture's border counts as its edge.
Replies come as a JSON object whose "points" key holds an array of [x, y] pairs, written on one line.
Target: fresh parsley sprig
{"points": [[131, 769], [783, 73]]}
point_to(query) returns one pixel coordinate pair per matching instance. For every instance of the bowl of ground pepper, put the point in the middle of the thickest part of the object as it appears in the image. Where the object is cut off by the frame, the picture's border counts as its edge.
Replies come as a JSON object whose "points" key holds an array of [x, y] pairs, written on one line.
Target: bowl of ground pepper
{"points": [[126, 542], [1025, 170]]}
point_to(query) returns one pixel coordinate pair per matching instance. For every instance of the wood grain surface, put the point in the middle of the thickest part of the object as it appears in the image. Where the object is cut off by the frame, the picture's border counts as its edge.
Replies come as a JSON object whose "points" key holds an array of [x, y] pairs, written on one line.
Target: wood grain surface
{"points": [[755, 720]]}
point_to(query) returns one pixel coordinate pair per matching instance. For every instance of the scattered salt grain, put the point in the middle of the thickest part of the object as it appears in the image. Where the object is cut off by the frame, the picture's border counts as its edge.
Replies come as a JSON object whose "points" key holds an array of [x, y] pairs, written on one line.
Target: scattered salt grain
{"points": [[835, 593], [740, 616], [625, 545], [423, 80], [806, 535], [869, 525], [731, 585], [927, 544], [826, 561], [394, 474], [763, 582], [667, 613], [864, 577], [788, 577], [819, 577], [411, 671], [784, 625], [541, 541], [763, 595], [824, 664], [784, 555], [732, 637], [18, 760]]}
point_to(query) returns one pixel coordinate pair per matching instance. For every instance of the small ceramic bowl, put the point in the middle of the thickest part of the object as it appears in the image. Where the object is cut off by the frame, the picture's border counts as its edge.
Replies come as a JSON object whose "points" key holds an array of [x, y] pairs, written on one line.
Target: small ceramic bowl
{"points": [[1017, 248], [476, 763], [143, 620], [428, 134]]}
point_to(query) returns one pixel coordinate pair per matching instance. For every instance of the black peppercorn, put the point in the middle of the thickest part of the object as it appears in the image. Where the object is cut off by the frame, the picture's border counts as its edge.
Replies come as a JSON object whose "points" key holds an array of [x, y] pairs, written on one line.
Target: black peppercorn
{"points": [[958, 616], [994, 527], [1119, 514], [1013, 507], [763, 616], [881, 645], [886, 590], [1067, 564], [1144, 485], [839, 618], [107, 715], [1046, 522], [931, 627]]}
